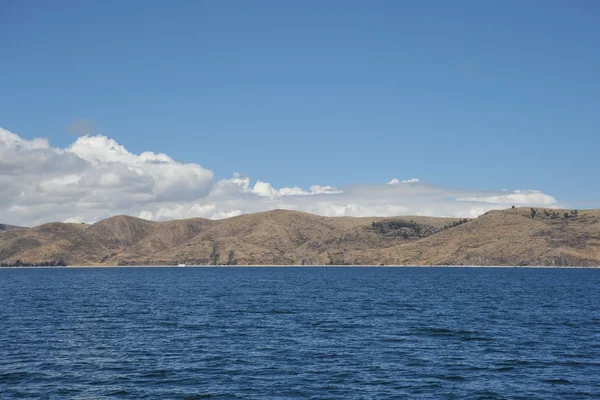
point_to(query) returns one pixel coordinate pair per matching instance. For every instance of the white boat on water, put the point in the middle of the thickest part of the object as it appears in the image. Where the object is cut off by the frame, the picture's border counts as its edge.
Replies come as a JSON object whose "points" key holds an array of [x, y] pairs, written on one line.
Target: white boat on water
{"points": [[181, 265]]}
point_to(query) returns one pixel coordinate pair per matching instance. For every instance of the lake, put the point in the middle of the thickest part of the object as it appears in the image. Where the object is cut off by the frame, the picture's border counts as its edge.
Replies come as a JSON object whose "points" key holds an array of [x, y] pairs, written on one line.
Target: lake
{"points": [[300, 333]]}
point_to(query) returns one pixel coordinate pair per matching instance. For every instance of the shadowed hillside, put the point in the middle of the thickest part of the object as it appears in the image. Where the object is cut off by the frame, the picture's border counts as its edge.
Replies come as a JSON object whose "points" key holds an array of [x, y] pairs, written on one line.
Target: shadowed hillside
{"points": [[508, 237], [5, 227], [121, 231], [54, 242]]}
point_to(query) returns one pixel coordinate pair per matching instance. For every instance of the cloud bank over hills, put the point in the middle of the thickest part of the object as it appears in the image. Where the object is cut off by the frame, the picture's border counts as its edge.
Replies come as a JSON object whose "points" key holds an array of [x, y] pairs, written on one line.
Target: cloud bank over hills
{"points": [[96, 177]]}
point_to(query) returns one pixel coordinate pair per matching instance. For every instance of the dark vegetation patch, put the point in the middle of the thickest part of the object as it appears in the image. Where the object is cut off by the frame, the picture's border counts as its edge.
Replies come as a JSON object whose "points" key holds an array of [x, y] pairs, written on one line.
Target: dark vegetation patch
{"points": [[552, 214], [19, 263], [400, 227], [409, 229]]}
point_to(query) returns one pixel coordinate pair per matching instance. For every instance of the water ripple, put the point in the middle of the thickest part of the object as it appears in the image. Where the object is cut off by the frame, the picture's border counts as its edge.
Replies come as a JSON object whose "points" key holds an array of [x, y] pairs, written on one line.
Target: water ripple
{"points": [[304, 333]]}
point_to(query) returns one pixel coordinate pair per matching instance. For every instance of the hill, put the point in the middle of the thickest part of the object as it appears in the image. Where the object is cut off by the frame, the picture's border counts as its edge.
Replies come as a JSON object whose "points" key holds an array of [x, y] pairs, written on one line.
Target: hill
{"points": [[506, 237], [5, 227]]}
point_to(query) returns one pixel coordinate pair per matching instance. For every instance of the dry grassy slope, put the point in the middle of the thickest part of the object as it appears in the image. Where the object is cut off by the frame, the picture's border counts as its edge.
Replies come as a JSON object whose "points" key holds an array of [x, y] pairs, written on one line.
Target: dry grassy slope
{"points": [[51, 242], [165, 237], [507, 237], [346, 245], [273, 237], [256, 238], [120, 231]]}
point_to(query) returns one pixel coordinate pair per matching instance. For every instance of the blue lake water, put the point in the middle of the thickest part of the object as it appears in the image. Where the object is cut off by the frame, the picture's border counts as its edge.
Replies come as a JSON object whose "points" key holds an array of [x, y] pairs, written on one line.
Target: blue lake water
{"points": [[300, 333]]}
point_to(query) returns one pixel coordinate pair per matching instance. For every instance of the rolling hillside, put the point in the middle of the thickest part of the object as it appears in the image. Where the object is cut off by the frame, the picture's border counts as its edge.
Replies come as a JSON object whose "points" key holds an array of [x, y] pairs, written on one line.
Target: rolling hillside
{"points": [[506, 237]]}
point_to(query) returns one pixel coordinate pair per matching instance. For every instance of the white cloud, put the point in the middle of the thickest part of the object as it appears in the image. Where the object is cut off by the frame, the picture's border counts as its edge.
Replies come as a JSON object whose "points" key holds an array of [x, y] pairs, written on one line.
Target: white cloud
{"points": [[96, 177], [314, 189], [75, 220], [396, 181], [524, 198], [292, 191], [93, 178], [264, 189], [145, 214], [318, 189]]}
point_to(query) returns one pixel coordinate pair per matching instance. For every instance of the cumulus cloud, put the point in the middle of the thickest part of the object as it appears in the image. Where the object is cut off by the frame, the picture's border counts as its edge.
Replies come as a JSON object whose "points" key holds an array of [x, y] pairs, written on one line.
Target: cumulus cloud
{"points": [[264, 189], [96, 177], [93, 178]]}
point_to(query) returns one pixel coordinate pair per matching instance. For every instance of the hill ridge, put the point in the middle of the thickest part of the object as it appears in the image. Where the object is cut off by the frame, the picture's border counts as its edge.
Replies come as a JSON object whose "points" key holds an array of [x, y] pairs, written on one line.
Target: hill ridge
{"points": [[519, 236]]}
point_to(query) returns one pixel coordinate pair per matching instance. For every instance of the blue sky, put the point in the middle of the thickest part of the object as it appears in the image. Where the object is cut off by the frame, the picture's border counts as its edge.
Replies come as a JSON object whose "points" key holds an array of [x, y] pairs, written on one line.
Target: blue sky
{"points": [[471, 94]]}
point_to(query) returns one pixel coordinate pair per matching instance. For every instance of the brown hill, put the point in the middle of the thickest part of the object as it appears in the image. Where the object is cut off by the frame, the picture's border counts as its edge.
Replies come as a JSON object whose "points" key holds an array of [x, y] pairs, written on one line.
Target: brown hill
{"points": [[120, 231], [64, 242], [507, 237]]}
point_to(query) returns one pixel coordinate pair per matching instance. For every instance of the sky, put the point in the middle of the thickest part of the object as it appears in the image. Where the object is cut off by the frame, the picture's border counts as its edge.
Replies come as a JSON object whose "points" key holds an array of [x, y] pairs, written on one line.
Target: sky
{"points": [[194, 108]]}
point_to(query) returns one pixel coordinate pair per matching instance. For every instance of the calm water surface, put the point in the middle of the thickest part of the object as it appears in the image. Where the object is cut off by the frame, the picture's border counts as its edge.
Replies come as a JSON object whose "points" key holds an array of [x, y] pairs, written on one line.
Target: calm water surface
{"points": [[304, 333]]}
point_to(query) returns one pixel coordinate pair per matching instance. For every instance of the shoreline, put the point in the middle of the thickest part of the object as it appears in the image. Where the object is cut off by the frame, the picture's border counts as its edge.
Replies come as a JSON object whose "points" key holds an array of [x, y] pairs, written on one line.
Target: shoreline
{"points": [[306, 266]]}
